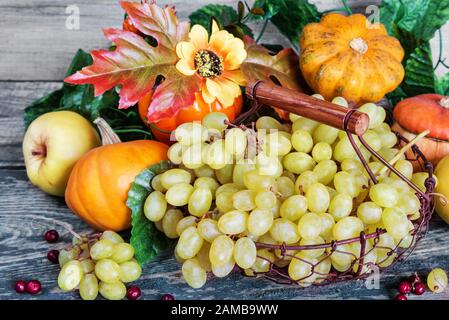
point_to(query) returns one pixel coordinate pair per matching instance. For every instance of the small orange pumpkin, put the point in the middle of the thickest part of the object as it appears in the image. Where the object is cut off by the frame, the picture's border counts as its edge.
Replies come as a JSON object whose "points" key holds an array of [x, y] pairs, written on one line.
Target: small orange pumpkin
{"points": [[425, 112], [196, 112], [349, 57], [99, 182]]}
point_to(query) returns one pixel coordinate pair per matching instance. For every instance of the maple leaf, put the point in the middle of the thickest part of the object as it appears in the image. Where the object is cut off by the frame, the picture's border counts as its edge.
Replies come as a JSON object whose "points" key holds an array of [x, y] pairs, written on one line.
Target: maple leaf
{"points": [[160, 23], [282, 68]]}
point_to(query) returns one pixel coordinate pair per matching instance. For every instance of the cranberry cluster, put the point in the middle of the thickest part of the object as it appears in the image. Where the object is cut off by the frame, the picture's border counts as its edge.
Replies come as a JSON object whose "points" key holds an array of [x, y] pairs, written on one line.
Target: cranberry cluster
{"points": [[412, 285]]}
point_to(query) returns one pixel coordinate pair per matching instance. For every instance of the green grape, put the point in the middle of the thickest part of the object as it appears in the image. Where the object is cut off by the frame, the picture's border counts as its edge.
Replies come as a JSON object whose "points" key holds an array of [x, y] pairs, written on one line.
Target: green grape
{"points": [[173, 177], [408, 240], [112, 236], [192, 156], [405, 167], [344, 183], [224, 175], [399, 184], [189, 243], [122, 252], [437, 280], [224, 201], [314, 253], [268, 165], [290, 175], [221, 250], [301, 270], [298, 162], [350, 164], [208, 229], [375, 166], [130, 271], [70, 275], [369, 260], [284, 187], [255, 181], [170, 223], [223, 270], [204, 172], [235, 141], [227, 187], [384, 195], [294, 207], [107, 270], [317, 198], [193, 273], [376, 114], [268, 123], [207, 183], [155, 206], [200, 202], [408, 203], [245, 252], [276, 210], [216, 155], [342, 257], [344, 150], [89, 287], [395, 222], [304, 181], [284, 230], [325, 171], [420, 178], [325, 133], [347, 228], [240, 169], [383, 128], [304, 124], [302, 141], [112, 291], [190, 133], [277, 144], [340, 206], [156, 184], [340, 101], [389, 139], [263, 260], [322, 269], [184, 223], [386, 153], [102, 249], [322, 151], [260, 221], [384, 250], [233, 222], [373, 140], [88, 265], [244, 200], [67, 255], [327, 224], [369, 212], [309, 226], [179, 194], [332, 192], [216, 121], [265, 200], [359, 178], [175, 152], [203, 257], [293, 117]]}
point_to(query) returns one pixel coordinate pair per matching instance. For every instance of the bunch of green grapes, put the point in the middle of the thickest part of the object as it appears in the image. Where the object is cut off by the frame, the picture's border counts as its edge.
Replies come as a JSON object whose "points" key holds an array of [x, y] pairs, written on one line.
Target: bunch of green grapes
{"points": [[99, 266], [298, 184]]}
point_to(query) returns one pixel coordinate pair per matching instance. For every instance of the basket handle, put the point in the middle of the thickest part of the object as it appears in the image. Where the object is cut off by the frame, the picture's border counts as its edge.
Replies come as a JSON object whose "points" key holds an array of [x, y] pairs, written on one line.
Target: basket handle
{"points": [[302, 104]]}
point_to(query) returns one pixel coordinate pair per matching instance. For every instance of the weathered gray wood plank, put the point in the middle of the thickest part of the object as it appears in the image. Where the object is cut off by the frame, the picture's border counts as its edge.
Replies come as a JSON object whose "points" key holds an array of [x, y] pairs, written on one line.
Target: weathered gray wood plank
{"points": [[26, 213], [36, 45]]}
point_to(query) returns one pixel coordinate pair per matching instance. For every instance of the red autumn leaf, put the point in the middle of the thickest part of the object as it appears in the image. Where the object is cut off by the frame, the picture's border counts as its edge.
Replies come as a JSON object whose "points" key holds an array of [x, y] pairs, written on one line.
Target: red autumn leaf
{"points": [[159, 23], [261, 64]]}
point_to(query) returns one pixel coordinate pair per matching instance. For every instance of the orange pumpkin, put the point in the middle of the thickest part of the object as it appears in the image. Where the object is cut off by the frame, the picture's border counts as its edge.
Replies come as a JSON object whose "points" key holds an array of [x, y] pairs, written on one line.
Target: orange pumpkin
{"points": [[196, 112], [99, 182], [425, 112], [349, 57]]}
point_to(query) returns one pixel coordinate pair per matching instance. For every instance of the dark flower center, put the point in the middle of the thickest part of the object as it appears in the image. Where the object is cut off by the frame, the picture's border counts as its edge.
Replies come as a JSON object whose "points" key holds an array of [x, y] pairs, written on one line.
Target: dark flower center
{"points": [[208, 64]]}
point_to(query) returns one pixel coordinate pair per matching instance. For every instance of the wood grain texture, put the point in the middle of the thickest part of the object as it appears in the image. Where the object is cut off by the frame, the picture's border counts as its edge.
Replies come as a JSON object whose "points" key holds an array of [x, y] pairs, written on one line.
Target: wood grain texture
{"points": [[42, 46]]}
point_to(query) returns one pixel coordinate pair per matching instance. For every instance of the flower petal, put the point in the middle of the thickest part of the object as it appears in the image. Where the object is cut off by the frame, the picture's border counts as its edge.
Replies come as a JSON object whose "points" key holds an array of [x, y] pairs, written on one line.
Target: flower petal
{"points": [[186, 67], [229, 87], [198, 37], [215, 27], [218, 40], [234, 59], [235, 76], [234, 44], [185, 50], [207, 97], [223, 93], [213, 87]]}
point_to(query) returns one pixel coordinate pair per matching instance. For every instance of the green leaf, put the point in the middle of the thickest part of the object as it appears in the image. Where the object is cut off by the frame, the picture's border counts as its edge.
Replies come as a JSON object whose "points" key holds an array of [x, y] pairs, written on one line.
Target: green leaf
{"points": [[442, 85], [226, 17], [148, 242], [289, 16], [48, 103]]}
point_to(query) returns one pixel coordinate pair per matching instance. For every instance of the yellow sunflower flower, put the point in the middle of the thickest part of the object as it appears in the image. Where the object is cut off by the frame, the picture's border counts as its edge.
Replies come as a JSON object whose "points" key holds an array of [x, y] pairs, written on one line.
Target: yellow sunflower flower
{"points": [[215, 61]]}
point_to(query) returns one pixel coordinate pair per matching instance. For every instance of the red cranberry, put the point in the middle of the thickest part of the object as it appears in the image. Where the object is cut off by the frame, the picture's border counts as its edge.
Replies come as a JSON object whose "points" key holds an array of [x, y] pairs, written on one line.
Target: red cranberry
{"points": [[405, 287], [51, 236], [414, 279], [33, 287], [419, 288], [20, 286], [53, 256], [167, 297], [133, 293], [401, 297]]}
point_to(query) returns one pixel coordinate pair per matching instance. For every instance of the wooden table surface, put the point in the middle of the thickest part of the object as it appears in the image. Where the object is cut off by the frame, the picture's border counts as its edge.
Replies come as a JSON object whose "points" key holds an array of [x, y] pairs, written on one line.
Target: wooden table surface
{"points": [[35, 49]]}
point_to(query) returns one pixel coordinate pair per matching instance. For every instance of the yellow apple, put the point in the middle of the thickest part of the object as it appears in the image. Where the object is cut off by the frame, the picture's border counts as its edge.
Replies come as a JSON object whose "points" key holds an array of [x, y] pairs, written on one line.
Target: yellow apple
{"points": [[442, 173], [52, 145]]}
